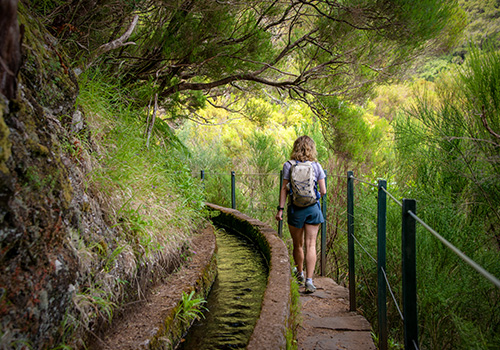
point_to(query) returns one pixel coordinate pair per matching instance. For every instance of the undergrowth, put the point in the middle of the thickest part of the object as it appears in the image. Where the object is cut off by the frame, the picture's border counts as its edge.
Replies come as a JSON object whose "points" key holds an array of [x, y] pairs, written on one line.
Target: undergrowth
{"points": [[295, 317], [458, 308], [190, 308], [152, 204]]}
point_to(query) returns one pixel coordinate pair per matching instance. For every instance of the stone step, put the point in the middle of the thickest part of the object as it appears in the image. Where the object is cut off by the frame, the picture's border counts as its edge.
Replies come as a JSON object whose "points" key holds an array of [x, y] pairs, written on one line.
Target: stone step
{"points": [[327, 322]]}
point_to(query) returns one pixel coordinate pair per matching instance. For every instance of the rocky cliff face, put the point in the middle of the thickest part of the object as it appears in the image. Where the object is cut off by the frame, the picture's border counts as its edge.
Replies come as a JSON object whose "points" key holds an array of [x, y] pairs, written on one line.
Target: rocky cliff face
{"points": [[39, 267], [46, 209]]}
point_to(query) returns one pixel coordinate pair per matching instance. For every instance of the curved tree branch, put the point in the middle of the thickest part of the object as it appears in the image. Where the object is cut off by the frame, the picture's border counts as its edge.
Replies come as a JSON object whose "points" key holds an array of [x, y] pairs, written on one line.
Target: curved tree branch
{"points": [[238, 77], [485, 123], [116, 43]]}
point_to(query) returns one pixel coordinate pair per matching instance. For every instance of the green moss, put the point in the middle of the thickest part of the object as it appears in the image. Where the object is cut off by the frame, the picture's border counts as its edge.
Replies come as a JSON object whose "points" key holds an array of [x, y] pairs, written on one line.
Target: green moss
{"points": [[37, 149], [5, 144], [45, 71], [295, 317]]}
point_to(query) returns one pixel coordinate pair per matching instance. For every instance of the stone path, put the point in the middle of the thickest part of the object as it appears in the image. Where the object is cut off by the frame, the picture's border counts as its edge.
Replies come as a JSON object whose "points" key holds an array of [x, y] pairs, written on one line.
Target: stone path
{"points": [[327, 322]]}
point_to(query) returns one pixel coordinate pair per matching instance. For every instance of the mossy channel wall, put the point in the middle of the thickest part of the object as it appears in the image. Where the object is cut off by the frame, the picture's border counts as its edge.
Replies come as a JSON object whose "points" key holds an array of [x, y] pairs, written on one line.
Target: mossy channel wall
{"points": [[169, 335], [271, 327]]}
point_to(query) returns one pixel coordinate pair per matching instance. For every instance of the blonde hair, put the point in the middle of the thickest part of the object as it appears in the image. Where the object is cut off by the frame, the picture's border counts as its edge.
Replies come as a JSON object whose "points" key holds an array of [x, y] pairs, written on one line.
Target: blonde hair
{"points": [[304, 149]]}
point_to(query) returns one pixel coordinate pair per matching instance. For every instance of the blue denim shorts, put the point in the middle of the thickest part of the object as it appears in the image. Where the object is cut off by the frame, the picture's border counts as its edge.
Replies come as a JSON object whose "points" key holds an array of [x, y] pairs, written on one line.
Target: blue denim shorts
{"points": [[298, 216]]}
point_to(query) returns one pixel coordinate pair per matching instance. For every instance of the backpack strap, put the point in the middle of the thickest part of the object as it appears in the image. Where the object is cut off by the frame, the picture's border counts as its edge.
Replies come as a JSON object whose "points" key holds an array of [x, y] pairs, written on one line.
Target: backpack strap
{"points": [[290, 177], [292, 163]]}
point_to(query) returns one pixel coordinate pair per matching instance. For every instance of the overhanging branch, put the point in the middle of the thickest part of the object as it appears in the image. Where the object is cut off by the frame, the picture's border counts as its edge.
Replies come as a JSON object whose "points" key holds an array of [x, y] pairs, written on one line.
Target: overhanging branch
{"points": [[121, 41], [239, 77]]}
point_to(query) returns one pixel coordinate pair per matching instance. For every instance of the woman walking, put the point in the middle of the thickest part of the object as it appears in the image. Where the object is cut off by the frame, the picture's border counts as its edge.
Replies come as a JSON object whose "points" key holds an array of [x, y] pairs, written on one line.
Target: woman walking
{"points": [[304, 214]]}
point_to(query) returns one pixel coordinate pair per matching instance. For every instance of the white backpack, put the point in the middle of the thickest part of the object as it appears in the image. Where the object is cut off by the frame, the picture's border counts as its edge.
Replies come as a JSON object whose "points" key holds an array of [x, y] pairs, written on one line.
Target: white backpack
{"points": [[302, 184]]}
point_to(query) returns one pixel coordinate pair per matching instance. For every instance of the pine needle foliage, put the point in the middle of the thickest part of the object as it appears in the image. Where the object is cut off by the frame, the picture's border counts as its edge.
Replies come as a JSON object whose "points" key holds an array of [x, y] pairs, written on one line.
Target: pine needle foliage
{"points": [[448, 148]]}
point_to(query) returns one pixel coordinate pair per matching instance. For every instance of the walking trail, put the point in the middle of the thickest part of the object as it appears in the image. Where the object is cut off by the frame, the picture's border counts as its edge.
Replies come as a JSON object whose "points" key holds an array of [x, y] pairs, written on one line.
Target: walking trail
{"points": [[327, 322]]}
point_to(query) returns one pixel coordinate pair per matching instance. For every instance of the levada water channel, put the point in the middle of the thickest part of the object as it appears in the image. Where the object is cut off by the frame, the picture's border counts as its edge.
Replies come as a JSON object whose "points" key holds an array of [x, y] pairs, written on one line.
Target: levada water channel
{"points": [[235, 300]]}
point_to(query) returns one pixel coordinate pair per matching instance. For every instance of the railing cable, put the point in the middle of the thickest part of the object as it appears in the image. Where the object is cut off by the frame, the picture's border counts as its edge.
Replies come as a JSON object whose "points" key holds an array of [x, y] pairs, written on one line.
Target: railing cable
{"points": [[464, 257], [264, 174], [392, 294], [362, 247], [365, 182], [257, 174], [339, 176], [392, 197]]}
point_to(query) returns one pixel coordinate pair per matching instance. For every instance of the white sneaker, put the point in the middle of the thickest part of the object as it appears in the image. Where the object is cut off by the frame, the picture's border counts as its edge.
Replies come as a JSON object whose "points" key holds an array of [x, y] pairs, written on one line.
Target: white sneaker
{"points": [[298, 277], [310, 288]]}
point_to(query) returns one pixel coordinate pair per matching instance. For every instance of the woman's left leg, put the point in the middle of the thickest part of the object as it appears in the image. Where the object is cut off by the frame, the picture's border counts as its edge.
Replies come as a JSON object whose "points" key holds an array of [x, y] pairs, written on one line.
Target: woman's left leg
{"points": [[298, 244]]}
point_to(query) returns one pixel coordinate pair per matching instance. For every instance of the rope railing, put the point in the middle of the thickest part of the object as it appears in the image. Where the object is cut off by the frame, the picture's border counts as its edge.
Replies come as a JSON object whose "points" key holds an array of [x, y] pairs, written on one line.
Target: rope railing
{"points": [[219, 174], [339, 176], [366, 251], [263, 174], [363, 181], [410, 323], [457, 251], [392, 295], [257, 174], [383, 281], [409, 220], [392, 197]]}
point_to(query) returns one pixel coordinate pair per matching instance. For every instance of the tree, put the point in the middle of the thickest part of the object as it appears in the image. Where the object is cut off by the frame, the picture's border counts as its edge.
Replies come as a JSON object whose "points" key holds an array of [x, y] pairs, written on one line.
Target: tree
{"points": [[301, 48]]}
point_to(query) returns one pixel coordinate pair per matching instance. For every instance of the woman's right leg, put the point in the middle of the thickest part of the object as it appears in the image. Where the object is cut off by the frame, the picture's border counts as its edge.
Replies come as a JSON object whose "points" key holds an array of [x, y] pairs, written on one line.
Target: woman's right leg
{"points": [[311, 232], [298, 246]]}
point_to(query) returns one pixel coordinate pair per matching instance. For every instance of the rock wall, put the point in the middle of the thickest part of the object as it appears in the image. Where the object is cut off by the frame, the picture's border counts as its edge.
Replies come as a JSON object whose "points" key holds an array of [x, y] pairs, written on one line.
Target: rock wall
{"points": [[56, 286], [38, 265]]}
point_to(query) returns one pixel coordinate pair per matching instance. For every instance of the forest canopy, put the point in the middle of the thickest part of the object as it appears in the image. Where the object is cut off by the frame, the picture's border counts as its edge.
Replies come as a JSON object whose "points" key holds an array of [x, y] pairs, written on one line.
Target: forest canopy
{"points": [[193, 51]]}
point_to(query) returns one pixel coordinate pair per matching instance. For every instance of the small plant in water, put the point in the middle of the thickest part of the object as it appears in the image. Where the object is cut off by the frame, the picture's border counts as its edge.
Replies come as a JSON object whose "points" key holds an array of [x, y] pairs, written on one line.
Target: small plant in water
{"points": [[190, 308]]}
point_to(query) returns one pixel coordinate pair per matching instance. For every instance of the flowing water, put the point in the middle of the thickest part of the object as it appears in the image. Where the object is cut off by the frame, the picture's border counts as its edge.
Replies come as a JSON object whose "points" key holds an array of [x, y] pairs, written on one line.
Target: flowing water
{"points": [[234, 302]]}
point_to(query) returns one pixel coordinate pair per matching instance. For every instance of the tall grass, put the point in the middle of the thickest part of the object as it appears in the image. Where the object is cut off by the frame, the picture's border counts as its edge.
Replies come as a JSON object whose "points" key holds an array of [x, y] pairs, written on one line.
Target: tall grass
{"points": [[149, 199], [447, 160], [149, 192]]}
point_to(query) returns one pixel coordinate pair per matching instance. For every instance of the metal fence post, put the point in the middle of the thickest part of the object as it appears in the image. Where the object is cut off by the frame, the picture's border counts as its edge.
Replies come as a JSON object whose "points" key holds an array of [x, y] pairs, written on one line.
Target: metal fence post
{"points": [[323, 231], [350, 240], [233, 190], [202, 173], [409, 266], [381, 264], [280, 223]]}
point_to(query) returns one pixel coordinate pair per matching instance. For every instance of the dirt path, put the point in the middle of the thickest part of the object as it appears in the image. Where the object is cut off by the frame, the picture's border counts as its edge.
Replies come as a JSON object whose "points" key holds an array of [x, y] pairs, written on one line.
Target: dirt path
{"points": [[145, 320], [327, 322]]}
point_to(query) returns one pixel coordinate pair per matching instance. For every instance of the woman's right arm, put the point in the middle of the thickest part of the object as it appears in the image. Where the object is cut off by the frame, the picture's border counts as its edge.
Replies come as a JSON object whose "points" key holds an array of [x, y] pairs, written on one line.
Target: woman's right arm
{"points": [[282, 202], [322, 187]]}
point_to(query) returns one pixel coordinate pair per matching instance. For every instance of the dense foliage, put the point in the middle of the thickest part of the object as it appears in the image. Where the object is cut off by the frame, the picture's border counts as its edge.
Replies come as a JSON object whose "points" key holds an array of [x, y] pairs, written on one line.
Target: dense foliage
{"points": [[239, 81], [448, 155], [187, 51]]}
